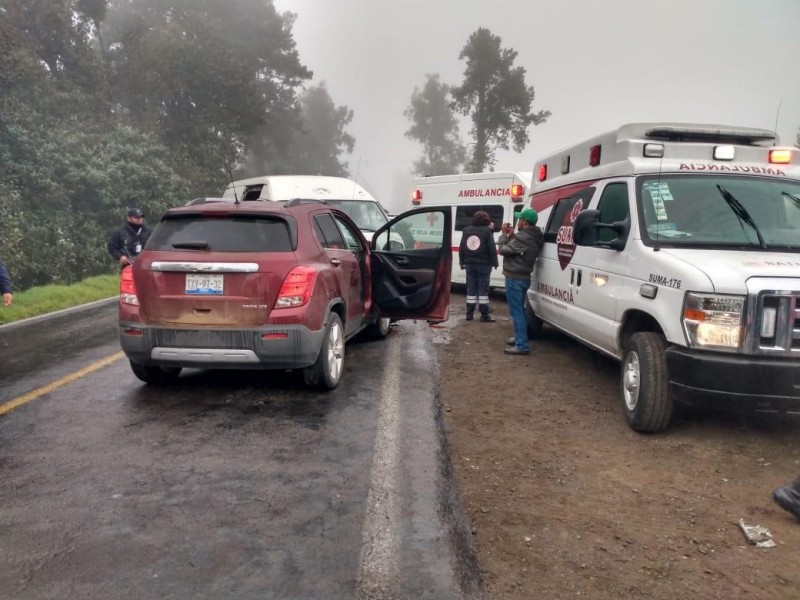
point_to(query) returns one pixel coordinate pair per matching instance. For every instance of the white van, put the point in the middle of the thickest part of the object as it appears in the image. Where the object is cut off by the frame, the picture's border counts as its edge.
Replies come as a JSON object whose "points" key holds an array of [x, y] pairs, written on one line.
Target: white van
{"points": [[498, 193], [675, 249], [340, 192]]}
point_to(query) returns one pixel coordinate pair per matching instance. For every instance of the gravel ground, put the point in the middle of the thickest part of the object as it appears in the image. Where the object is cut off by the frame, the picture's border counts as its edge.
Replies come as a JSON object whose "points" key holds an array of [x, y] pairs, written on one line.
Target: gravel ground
{"points": [[564, 500]]}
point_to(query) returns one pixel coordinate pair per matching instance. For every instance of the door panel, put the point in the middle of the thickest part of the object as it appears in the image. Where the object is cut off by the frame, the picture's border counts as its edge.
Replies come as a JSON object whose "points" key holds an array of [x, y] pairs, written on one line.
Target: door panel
{"points": [[603, 270], [414, 282]]}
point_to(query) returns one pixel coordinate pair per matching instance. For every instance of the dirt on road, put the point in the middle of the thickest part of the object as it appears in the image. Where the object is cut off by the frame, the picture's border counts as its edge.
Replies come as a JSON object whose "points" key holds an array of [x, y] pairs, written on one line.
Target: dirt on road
{"points": [[564, 500]]}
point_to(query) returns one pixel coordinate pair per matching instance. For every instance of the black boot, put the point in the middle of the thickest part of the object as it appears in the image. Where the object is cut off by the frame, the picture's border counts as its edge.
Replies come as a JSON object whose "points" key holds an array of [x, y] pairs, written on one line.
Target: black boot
{"points": [[470, 311], [485, 316], [788, 498]]}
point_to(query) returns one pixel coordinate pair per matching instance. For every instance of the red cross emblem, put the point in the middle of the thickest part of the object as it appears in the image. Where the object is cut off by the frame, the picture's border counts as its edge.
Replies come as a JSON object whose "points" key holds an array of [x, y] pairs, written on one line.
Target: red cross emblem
{"points": [[432, 218]]}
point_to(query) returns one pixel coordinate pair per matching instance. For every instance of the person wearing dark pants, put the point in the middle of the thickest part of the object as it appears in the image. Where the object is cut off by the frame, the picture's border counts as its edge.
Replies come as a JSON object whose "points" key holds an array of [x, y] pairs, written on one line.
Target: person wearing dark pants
{"points": [[477, 254], [788, 497], [5, 285], [519, 252]]}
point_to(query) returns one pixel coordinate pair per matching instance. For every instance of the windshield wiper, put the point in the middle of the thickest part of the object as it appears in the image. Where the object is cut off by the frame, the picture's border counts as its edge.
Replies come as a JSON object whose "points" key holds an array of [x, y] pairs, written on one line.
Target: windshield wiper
{"points": [[198, 245], [741, 214], [793, 197]]}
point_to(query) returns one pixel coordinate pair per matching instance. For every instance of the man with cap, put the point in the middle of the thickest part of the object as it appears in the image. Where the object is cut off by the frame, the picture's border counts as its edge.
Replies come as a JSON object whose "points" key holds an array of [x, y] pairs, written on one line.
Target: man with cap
{"points": [[519, 252], [128, 240]]}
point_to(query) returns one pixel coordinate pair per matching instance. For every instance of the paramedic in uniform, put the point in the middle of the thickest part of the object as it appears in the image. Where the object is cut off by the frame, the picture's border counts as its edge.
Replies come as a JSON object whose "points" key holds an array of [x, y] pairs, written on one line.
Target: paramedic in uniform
{"points": [[478, 255], [519, 252]]}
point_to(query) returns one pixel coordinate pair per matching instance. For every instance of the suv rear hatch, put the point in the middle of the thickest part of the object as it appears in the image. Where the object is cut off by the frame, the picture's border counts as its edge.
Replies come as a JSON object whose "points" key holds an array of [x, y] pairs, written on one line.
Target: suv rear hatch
{"points": [[214, 269]]}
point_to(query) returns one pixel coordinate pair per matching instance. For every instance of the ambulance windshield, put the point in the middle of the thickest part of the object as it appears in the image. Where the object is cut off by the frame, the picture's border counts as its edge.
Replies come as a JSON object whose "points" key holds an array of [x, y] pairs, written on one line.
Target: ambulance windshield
{"points": [[366, 214], [688, 210]]}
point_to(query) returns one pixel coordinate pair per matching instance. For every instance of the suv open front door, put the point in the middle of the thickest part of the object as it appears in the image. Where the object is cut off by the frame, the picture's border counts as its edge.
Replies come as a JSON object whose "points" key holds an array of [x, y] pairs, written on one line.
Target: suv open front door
{"points": [[413, 281]]}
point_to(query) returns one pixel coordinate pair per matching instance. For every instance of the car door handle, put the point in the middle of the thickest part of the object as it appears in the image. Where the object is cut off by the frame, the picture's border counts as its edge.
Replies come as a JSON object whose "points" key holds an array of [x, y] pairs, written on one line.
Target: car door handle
{"points": [[336, 262], [401, 260]]}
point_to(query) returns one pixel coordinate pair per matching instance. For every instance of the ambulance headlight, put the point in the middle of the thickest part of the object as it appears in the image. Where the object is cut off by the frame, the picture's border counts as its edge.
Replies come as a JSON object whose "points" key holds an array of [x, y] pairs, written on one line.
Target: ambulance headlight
{"points": [[713, 321]]}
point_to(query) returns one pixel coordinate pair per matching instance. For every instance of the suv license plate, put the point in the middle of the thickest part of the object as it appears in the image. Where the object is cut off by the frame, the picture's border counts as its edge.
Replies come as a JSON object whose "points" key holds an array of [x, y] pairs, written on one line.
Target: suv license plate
{"points": [[203, 284]]}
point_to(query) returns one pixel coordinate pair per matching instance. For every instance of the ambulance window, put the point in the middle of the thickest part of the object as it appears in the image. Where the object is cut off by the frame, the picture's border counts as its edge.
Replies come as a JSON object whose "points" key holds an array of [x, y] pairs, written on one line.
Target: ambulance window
{"points": [[613, 207], [464, 215], [252, 192], [560, 210]]}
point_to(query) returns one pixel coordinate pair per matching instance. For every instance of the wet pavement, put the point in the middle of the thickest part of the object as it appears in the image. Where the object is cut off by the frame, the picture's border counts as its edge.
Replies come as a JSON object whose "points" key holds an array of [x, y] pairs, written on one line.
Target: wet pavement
{"points": [[236, 484]]}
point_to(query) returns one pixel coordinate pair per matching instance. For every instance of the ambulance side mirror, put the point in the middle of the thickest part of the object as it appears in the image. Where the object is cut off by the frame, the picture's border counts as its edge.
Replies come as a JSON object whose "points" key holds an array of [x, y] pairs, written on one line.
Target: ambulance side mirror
{"points": [[588, 226], [585, 227]]}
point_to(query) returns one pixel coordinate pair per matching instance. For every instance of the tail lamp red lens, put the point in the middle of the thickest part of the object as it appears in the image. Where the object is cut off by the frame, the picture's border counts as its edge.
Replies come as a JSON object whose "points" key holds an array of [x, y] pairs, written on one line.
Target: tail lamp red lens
{"points": [[296, 288], [127, 287], [780, 156], [594, 155], [416, 197], [542, 174]]}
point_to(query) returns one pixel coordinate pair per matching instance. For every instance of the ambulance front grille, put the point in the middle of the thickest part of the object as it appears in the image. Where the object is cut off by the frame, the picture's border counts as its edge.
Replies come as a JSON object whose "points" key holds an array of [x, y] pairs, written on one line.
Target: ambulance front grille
{"points": [[778, 325]]}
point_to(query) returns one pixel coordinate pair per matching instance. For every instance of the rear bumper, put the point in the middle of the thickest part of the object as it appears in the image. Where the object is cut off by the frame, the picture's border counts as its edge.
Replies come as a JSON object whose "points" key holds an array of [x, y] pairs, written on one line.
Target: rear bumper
{"points": [[289, 347], [758, 382]]}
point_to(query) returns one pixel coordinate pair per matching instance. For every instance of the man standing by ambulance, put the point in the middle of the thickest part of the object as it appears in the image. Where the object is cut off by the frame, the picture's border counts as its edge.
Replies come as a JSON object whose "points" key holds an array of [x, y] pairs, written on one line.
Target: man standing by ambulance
{"points": [[519, 252], [478, 255]]}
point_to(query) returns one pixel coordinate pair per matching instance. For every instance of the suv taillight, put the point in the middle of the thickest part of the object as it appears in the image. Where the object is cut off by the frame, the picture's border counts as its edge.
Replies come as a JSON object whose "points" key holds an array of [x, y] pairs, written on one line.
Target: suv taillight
{"points": [[296, 288], [127, 288]]}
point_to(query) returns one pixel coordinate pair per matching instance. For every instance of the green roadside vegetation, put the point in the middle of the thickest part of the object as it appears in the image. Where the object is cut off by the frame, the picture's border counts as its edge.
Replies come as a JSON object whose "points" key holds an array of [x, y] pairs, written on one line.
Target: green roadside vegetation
{"points": [[49, 298]]}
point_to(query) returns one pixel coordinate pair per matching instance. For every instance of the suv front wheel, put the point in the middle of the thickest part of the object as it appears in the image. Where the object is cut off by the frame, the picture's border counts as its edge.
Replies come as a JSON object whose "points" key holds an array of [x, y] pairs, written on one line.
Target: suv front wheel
{"points": [[326, 372]]}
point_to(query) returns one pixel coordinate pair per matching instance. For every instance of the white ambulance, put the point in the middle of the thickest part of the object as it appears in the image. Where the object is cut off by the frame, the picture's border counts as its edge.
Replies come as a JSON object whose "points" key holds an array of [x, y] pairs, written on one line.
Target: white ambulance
{"points": [[339, 192], [497, 193], [675, 249]]}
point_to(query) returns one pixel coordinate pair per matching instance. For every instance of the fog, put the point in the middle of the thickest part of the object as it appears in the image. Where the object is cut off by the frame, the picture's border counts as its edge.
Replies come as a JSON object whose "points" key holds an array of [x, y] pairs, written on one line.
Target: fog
{"points": [[594, 64]]}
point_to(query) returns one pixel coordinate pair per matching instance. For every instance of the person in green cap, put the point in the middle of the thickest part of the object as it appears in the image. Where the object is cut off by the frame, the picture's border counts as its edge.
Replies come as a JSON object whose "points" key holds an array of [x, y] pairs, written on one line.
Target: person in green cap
{"points": [[519, 252]]}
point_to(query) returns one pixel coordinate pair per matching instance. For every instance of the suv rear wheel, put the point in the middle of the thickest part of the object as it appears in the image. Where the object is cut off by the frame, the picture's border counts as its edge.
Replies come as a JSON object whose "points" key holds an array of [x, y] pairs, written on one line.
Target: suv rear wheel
{"points": [[155, 375], [326, 372]]}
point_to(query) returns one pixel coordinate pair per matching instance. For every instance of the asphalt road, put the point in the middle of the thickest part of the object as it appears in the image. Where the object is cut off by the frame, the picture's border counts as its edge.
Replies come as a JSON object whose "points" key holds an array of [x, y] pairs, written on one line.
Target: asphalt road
{"points": [[228, 485]]}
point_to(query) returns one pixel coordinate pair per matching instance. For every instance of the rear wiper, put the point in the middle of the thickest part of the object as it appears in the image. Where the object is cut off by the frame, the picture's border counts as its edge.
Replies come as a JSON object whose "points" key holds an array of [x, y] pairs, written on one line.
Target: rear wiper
{"points": [[196, 245], [741, 214]]}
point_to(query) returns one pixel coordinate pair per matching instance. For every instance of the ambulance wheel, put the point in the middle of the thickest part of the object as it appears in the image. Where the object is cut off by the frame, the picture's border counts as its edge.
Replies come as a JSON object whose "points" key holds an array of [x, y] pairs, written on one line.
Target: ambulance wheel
{"points": [[534, 323], [326, 372], [155, 375], [644, 384]]}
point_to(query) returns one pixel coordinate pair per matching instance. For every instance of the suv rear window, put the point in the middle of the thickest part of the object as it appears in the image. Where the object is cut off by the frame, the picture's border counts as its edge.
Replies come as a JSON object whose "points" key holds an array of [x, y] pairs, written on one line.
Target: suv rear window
{"points": [[222, 234]]}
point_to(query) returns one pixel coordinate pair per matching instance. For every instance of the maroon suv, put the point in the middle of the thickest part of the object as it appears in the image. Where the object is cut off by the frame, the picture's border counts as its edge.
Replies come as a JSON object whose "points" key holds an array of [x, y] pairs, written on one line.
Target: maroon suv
{"points": [[276, 285]]}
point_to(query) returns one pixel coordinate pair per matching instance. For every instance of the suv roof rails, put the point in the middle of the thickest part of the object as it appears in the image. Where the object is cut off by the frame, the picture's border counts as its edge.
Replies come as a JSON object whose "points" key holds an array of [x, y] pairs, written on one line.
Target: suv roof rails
{"points": [[299, 201], [196, 201]]}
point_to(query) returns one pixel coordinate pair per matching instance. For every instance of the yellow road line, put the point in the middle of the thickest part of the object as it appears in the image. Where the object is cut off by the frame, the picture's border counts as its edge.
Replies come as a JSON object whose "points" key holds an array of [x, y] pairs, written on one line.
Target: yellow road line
{"points": [[46, 389]]}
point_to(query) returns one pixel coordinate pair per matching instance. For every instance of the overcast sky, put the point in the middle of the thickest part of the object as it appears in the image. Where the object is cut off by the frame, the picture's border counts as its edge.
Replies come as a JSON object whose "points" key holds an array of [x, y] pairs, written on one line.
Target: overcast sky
{"points": [[596, 64]]}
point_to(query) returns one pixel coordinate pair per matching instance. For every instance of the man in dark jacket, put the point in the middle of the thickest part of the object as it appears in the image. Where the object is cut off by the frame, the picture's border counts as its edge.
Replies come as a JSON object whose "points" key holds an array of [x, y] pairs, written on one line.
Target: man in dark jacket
{"points": [[5, 284], [519, 253], [478, 255], [128, 240]]}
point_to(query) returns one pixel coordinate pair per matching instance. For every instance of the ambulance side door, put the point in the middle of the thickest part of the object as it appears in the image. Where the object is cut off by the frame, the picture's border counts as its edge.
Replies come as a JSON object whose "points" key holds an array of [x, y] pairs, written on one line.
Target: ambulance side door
{"points": [[600, 271], [553, 284]]}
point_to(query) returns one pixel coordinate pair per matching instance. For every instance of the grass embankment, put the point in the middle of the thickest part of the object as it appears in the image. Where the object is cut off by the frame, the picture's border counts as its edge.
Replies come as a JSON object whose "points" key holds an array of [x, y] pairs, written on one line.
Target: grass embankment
{"points": [[49, 298]]}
